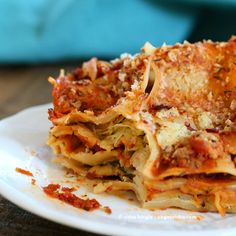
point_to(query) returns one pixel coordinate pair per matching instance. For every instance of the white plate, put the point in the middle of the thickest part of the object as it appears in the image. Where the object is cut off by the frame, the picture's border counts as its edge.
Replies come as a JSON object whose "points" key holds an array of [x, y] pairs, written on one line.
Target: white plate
{"points": [[22, 144]]}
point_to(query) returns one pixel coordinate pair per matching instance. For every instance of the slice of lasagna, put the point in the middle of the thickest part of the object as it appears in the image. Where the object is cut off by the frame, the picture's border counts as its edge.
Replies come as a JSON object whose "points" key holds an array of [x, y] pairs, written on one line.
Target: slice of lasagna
{"points": [[161, 123]]}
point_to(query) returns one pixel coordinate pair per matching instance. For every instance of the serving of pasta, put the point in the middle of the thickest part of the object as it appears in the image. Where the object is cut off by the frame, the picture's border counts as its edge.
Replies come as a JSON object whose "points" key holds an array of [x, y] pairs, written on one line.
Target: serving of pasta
{"points": [[161, 123]]}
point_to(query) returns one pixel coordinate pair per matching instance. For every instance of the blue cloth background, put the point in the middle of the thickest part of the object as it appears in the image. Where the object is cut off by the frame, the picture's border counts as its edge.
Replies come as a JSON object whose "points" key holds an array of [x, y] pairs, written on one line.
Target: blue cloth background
{"points": [[33, 31]]}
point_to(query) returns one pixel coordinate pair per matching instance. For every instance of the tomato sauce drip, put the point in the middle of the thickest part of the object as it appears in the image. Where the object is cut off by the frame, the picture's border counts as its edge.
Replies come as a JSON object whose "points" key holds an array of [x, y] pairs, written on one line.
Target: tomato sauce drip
{"points": [[66, 190], [24, 172], [107, 210], [68, 197]]}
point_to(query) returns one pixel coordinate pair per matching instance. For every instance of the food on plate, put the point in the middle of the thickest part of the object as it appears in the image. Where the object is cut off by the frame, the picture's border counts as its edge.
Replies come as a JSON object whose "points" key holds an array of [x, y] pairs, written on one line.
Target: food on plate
{"points": [[23, 172], [161, 123]]}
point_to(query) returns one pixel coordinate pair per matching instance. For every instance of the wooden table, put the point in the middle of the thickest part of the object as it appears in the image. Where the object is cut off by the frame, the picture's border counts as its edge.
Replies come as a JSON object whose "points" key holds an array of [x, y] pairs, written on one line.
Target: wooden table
{"points": [[22, 87]]}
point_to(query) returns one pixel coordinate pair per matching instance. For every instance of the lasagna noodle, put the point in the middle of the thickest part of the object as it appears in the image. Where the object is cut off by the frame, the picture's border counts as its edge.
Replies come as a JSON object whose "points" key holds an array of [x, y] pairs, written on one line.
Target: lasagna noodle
{"points": [[153, 124]]}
